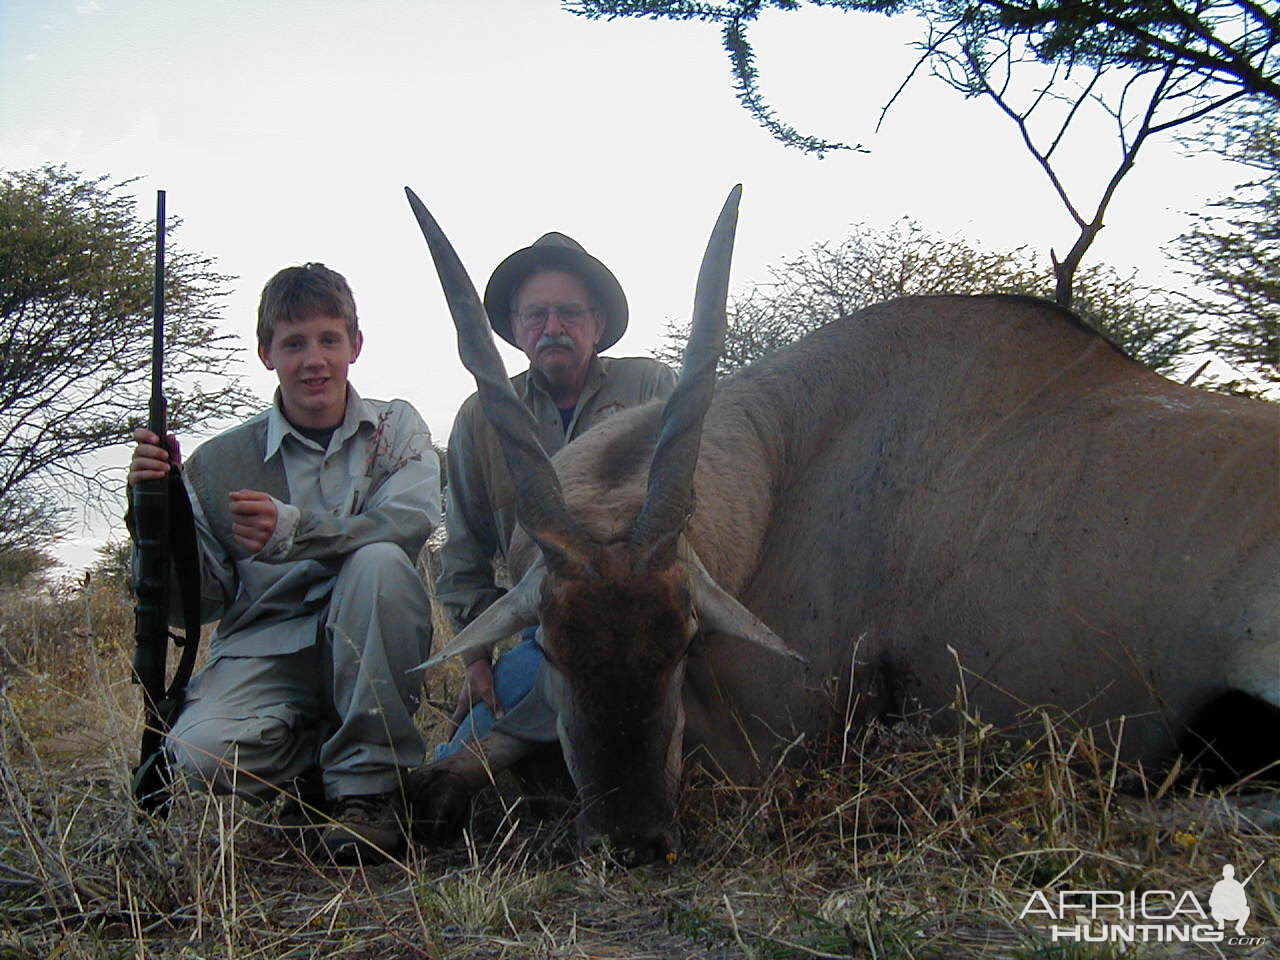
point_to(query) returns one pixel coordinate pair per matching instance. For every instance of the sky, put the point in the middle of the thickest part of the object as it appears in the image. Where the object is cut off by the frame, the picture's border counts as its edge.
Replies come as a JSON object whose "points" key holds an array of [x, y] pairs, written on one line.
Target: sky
{"points": [[285, 132]]}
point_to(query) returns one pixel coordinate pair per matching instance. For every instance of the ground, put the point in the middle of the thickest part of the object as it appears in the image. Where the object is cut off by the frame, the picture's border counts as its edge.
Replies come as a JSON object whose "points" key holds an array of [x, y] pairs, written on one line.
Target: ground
{"points": [[887, 843]]}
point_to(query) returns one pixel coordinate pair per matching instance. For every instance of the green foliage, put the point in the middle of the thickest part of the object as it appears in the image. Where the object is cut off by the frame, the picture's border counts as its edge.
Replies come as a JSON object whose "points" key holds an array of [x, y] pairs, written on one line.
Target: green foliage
{"points": [[21, 565], [76, 273], [1234, 252], [1230, 42], [114, 564], [734, 19], [834, 280], [29, 518], [1149, 324]]}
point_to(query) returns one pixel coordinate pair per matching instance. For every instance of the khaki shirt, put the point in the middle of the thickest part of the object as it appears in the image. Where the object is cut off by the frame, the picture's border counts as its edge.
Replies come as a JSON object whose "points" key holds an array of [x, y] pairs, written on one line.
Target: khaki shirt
{"points": [[377, 482], [481, 511]]}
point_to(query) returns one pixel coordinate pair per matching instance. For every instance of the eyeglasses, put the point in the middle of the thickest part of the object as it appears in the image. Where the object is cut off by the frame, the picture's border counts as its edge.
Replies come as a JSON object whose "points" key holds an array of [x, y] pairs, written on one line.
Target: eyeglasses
{"points": [[535, 317]]}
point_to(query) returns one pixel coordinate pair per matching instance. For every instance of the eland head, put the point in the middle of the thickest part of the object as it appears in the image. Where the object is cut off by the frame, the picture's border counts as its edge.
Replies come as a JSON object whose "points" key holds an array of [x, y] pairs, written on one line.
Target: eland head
{"points": [[621, 598]]}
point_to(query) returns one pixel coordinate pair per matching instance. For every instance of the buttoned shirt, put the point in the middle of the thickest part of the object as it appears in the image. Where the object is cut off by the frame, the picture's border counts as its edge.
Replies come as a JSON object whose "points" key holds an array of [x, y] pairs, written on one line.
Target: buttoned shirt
{"points": [[481, 498], [378, 481]]}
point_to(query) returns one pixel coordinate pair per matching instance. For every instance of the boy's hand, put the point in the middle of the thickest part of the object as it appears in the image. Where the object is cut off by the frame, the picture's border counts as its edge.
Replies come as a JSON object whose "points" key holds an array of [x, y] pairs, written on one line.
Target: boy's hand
{"points": [[151, 458], [253, 518]]}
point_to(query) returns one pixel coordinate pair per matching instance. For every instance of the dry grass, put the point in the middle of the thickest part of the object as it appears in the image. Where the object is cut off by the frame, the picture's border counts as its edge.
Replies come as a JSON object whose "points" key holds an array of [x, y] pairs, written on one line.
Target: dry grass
{"points": [[893, 843]]}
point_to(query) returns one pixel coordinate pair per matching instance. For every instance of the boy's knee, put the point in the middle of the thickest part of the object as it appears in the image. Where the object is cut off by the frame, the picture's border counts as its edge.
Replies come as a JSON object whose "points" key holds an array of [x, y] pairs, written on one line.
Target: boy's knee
{"points": [[384, 571], [204, 751], [230, 755], [378, 556], [379, 561]]}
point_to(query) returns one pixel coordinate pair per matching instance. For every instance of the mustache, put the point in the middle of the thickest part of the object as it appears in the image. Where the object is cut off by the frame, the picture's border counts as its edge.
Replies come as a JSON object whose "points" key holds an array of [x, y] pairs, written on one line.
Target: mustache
{"points": [[555, 340]]}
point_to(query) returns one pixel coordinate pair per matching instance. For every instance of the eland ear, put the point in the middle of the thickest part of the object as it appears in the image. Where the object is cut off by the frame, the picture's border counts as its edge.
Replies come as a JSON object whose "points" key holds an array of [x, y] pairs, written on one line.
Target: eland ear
{"points": [[511, 613], [717, 610]]}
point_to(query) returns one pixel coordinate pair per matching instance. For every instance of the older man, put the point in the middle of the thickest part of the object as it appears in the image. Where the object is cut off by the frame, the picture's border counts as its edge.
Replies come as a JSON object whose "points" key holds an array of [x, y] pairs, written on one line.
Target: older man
{"points": [[561, 306]]}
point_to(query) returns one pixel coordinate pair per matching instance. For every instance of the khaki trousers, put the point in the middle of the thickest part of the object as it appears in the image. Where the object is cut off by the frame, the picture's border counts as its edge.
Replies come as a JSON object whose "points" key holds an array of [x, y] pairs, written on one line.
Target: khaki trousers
{"points": [[253, 724]]}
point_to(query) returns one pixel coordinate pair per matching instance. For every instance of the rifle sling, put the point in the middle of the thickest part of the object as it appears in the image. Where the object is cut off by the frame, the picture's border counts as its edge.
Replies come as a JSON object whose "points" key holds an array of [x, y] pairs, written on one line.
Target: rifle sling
{"points": [[186, 565]]}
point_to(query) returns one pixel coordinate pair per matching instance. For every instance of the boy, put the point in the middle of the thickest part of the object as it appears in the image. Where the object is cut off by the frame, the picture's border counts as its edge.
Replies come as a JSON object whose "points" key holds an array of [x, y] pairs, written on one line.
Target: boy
{"points": [[310, 517]]}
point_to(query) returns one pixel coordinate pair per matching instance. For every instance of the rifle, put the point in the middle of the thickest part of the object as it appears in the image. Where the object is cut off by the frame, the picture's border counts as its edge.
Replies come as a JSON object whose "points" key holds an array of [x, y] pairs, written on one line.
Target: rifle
{"points": [[164, 537]]}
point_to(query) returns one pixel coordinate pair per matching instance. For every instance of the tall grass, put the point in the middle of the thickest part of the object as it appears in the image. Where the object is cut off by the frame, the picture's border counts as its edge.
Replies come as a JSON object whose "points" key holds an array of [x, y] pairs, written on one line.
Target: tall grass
{"points": [[887, 842]]}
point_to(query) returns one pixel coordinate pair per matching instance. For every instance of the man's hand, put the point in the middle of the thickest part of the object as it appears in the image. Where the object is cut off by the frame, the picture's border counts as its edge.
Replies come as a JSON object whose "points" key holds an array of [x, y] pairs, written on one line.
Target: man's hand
{"points": [[478, 687], [253, 518], [151, 458]]}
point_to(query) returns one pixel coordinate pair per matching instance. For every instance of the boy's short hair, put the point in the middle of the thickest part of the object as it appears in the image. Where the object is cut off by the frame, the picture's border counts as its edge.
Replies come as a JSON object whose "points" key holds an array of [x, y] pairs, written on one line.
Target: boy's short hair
{"points": [[297, 293]]}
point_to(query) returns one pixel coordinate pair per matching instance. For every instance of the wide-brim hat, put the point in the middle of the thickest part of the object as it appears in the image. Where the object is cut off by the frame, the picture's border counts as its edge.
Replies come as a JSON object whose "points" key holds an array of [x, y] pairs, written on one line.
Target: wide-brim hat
{"points": [[549, 251]]}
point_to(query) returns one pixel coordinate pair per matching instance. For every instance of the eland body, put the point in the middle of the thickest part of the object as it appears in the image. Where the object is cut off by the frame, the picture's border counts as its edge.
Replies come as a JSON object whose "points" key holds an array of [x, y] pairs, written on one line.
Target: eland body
{"points": [[938, 498]]}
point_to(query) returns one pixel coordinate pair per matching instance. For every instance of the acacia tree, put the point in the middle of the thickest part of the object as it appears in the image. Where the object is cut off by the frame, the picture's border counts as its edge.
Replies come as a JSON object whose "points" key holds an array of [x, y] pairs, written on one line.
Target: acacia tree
{"points": [[833, 280], [76, 273], [1147, 66], [1233, 253], [1232, 43], [1049, 103]]}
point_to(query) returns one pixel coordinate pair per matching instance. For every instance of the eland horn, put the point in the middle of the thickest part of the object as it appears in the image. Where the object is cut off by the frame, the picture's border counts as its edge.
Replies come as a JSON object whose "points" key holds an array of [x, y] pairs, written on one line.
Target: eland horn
{"points": [[540, 505], [669, 499]]}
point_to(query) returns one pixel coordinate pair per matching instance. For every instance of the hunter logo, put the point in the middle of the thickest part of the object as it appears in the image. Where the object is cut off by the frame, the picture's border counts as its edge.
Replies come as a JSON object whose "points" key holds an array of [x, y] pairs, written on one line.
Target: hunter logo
{"points": [[1148, 916], [1228, 902]]}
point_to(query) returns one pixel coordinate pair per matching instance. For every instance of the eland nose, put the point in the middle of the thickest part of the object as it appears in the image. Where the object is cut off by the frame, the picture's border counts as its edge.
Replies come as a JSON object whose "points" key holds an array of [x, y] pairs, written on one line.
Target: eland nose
{"points": [[635, 849]]}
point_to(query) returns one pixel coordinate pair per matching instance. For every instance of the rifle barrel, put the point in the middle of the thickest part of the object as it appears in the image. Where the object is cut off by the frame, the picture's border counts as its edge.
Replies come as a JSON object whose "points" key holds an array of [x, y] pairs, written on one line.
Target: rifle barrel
{"points": [[157, 414]]}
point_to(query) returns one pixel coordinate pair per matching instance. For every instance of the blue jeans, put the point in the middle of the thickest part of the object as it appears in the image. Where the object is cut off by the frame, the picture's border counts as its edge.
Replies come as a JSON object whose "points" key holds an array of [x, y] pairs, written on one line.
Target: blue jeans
{"points": [[513, 678]]}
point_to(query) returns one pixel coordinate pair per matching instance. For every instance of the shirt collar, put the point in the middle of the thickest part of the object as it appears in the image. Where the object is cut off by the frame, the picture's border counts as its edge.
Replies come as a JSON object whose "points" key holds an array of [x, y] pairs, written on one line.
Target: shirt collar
{"points": [[278, 426]]}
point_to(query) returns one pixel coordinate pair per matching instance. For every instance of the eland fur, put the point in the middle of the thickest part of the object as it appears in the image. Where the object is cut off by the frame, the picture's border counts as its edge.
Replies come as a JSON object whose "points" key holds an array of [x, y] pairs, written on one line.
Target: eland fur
{"points": [[937, 501]]}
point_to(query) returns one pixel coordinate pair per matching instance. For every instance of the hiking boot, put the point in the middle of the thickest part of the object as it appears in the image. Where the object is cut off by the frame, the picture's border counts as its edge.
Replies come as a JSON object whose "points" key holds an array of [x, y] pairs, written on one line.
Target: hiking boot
{"points": [[303, 808], [366, 829]]}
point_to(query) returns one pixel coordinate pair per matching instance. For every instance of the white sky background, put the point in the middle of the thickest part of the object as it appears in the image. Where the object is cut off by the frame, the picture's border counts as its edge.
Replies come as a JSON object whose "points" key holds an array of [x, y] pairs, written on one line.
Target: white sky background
{"points": [[285, 132]]}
